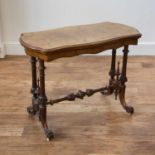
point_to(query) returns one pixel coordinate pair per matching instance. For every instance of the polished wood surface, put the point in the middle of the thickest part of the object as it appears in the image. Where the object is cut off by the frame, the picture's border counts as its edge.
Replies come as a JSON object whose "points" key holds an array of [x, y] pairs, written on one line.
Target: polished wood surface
{"points": [[75, 40], [95, 126]]}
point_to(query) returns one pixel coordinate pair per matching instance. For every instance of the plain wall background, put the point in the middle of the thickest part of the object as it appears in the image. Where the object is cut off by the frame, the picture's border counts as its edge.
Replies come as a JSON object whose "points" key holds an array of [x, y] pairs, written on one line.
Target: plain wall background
{"points": [[19, 16], [1, 42]]}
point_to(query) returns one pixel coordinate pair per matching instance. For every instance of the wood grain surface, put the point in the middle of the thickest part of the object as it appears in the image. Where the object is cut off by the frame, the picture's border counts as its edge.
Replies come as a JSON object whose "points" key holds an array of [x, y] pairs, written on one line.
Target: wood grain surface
{"points": [[75, 40], [94, 126]]}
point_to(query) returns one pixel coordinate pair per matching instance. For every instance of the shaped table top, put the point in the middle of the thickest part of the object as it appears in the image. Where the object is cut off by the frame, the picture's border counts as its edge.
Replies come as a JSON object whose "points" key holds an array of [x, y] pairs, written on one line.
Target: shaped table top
{"points": [[78, 37]]}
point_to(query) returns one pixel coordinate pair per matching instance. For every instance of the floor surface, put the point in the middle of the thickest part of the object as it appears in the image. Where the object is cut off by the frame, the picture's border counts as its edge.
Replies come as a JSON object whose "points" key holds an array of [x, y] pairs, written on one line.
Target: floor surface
{"points": [[94, 126]]}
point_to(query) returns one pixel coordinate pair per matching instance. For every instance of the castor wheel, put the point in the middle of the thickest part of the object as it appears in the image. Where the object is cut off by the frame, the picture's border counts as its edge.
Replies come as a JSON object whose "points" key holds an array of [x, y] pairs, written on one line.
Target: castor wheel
{"points": [[49, 135], [129, 109], [31, 111]]}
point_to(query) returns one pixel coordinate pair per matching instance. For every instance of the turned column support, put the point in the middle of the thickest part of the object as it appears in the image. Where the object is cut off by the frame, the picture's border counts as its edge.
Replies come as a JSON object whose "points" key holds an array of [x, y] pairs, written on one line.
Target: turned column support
{"points": [[34, 89], [123, 77], [113, 63], [34, 76], [122, 80], [42, 79], [112, 72], [43, 101], [42, 97]]}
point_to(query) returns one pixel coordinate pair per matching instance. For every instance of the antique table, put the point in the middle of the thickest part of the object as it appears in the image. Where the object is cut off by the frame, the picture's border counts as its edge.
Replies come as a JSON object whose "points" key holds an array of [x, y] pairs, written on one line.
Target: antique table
{"points": [[72, 41]]}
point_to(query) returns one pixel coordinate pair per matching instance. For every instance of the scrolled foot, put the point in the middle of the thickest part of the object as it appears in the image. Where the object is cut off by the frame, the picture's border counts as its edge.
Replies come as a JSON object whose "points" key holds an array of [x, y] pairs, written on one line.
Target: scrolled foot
{"points": [[31, 111], [129, 109], [49, 134]]}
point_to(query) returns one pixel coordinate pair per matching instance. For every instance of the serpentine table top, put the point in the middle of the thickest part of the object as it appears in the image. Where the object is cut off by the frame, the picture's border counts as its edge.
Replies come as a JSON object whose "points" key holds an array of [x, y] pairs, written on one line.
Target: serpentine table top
{"points": [[75, 40]]}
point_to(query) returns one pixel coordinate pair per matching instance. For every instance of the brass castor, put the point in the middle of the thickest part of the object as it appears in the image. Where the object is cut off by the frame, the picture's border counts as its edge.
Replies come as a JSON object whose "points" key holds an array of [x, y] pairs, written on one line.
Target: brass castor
{"points": [[129, 109], [31, 111], [49, 135]]}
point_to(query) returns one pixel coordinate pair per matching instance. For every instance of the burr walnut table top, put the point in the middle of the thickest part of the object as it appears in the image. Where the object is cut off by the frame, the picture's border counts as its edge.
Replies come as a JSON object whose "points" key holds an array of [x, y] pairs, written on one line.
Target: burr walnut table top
{"points": [[75, 40]]}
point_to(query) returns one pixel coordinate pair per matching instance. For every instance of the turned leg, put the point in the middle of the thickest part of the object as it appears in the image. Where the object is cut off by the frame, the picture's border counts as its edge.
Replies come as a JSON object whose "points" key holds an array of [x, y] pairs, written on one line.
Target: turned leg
{"points": [[43, 101], [34, 90], [112, 74], [122, 81], [112, 71], [113, 62]]}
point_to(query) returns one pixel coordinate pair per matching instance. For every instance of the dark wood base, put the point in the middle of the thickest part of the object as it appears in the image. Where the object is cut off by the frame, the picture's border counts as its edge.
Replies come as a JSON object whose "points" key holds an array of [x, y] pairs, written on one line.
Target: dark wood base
{"points": [[39, 100]]}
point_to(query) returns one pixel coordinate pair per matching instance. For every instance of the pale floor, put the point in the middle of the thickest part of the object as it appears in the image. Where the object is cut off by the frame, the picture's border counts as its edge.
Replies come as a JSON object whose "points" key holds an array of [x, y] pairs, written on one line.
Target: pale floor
{"points": [[94, 126]]}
